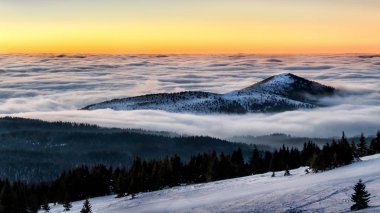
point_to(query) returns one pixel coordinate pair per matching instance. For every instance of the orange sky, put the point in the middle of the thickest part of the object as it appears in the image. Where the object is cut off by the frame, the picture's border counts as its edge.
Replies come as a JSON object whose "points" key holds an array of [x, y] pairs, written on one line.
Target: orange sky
{"points": [[182, 26]]}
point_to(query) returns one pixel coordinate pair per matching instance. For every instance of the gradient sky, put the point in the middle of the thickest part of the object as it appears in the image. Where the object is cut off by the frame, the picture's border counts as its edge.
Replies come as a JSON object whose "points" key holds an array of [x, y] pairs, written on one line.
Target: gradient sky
{"points": [[190, 26]]}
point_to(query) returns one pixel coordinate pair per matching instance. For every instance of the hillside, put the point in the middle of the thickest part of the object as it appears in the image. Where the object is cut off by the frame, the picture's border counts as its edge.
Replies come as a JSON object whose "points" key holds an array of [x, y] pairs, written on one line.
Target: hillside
{"points": [[275, 94], [276, 140], [322, 192], [34, 150]]}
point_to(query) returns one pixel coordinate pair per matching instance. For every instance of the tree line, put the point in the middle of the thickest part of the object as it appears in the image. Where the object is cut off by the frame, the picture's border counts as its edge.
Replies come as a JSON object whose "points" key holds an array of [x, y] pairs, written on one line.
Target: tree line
{"points": [[35, 151], [148, 175]]}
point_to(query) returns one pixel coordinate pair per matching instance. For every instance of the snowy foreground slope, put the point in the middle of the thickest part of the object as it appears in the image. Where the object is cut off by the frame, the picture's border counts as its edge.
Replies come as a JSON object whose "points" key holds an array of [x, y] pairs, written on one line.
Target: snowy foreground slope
{"points": [[323, 192]]}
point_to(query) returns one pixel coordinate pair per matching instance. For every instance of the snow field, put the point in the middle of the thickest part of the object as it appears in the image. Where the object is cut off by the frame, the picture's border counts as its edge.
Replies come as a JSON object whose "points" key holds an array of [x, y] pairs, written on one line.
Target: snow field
{"points": [[321, 192]]}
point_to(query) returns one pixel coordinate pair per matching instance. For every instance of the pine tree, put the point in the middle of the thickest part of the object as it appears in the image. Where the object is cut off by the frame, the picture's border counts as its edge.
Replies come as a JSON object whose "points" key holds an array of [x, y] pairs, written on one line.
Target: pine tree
{"points": [[45, 206], [256, 163], [362, 146], [67, 206], [375, 144], [287, 173], [66, 203], [360, 196], [274, 161], [86, 207], [237, 161], [133, 195], [6, 198], [120, 186], [354, 149]]}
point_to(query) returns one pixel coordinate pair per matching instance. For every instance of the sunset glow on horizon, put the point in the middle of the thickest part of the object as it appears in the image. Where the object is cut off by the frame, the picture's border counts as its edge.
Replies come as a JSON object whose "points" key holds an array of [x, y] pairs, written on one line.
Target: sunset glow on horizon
{"points": [[214, 26]]}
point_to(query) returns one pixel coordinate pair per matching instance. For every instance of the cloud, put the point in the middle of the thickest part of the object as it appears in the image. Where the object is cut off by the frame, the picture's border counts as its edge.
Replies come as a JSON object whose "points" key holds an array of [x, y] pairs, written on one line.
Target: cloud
{"points": [[218, 65], [52, 88], [309, 68], [369, 56], [323, 122], [274, 60]]}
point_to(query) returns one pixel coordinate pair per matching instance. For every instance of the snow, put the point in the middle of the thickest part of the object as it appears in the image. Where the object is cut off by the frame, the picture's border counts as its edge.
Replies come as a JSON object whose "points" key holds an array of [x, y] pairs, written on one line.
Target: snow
{"points": [[274, 83], [281, 79], [271, 91], [321, 192]]}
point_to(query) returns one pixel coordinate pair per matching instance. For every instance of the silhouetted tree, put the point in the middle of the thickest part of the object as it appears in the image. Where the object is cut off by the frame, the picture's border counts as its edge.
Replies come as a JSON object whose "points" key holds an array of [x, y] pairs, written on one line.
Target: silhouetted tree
{"points": [[45, 206], [354, 149], [86, 207], [120, 187], [237, 161], [287, 172], [256, 162], [6, 198], [375, 144], [66, 203], [360, 196], [362, 146]]}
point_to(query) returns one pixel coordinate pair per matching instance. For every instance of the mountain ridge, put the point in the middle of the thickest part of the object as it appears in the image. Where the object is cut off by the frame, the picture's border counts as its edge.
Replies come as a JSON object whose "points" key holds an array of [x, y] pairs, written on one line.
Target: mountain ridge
{"points": [[277, 93]]}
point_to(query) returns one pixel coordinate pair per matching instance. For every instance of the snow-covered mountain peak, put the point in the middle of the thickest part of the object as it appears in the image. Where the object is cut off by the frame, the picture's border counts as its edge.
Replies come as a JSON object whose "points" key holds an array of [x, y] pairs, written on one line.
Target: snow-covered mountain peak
{"points": [[274, 94], [277, 82], [288, 85], [281, 79]]}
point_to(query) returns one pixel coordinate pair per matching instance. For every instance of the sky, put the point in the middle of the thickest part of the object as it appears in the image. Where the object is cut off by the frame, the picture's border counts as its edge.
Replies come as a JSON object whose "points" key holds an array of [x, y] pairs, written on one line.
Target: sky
{"points": [[189, 26]]}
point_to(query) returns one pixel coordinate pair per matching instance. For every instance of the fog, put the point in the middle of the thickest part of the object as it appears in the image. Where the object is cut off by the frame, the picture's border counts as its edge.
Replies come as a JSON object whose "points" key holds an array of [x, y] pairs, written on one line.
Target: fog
{"points": [[53, 87]]}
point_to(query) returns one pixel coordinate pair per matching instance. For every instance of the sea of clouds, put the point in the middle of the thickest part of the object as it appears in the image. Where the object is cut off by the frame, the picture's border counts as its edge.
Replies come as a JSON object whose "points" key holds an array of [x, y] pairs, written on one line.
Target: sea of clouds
{"points": [[53, 87]]}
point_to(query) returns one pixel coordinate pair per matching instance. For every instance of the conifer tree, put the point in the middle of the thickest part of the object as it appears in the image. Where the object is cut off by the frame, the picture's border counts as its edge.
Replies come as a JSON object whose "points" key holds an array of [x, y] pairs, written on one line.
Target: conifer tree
{"points": [[354, 149], [237, 161], [273, 161], [360, 196], [6, 197], [66, 203], [120, 186], [45, 206], [287, 173], [375, 144], [256, 162], [86, 207], [362, 146]]}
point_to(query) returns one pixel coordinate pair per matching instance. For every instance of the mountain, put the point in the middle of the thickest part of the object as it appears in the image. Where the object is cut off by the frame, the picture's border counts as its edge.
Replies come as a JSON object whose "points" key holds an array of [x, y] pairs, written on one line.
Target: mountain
{"points": [[275, 94], [314, 192]]}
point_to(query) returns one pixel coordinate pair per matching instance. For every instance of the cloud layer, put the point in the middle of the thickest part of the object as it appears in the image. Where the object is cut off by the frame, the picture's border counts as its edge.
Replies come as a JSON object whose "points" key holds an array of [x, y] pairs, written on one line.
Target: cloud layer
{"points": [[52, 88], [323, 122]]}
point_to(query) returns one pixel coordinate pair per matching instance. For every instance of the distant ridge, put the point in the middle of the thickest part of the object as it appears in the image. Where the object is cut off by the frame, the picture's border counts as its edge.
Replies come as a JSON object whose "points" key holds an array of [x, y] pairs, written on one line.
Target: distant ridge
{"points": [[278, 93]]}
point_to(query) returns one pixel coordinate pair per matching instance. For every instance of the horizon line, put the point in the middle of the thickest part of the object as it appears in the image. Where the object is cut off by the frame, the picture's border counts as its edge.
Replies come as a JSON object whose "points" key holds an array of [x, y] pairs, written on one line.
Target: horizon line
{"points": [[184, 53]]}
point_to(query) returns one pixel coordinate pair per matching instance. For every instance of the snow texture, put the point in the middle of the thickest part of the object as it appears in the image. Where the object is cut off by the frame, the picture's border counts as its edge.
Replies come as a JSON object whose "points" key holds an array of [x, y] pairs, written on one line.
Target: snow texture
{"points": [[328, 191], [278, 93]]}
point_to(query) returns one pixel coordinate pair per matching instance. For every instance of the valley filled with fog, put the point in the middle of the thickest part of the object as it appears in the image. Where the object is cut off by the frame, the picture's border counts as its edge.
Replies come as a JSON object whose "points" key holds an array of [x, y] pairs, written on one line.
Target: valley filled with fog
{"points": [[54, 87]]}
